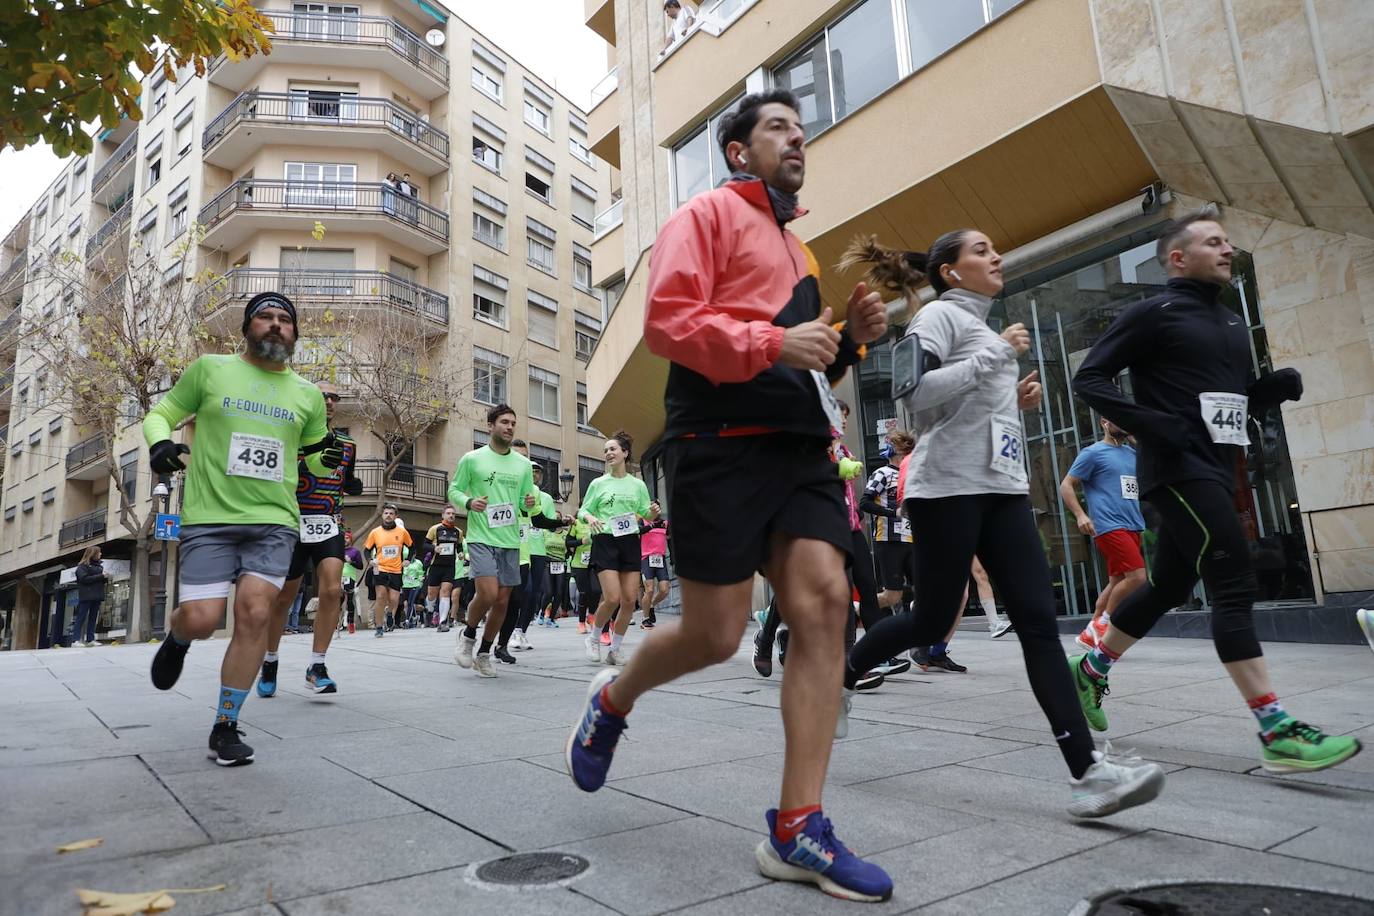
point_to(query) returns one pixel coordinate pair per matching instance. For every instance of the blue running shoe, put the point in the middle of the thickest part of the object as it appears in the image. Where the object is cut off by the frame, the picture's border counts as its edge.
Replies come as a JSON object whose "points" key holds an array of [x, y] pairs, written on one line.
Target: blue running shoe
{"points": [[317, 679], [267, 681], [592, 742], [817, 856]]}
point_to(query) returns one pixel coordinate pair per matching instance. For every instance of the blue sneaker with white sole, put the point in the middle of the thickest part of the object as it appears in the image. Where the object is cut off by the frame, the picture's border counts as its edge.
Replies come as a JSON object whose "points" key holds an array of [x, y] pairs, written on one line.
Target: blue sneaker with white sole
{"points": [[317, 679], [816, 856], [267, 681], [592, 742]]}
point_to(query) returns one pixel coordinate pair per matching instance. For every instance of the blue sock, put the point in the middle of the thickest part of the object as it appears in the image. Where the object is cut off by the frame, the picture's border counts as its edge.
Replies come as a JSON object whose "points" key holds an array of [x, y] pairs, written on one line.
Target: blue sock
{"points": [[180, 642], [939, 648], [230, 702]]}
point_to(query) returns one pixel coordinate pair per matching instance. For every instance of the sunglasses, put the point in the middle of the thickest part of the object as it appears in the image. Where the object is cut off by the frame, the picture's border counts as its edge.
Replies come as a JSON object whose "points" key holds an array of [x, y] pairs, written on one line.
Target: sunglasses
{"points": [[332, 397]]}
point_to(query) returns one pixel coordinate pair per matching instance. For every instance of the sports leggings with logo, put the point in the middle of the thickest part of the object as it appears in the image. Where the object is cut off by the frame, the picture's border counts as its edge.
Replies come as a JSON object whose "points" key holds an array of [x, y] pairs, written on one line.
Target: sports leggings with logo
{"points": [[1000, 529], [1199, 538]]}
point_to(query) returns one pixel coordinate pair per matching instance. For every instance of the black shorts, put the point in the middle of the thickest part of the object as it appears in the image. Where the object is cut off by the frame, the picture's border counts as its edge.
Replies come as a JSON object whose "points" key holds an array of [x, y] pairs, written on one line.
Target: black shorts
{"points": [[728, 495], [620, 554], [654, 572], [896, 565], [306, 554], [438, 575], [387, 580]]}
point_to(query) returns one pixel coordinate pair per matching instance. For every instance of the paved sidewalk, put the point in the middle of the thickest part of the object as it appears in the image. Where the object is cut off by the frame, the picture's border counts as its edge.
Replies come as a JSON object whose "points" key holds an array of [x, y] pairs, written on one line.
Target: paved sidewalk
{"points": [[375, 800]]}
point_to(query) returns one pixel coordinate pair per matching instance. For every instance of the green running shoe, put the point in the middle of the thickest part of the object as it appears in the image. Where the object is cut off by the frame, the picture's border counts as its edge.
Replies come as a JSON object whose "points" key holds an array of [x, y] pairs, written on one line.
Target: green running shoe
{"points": [[1090, 694], [1297, 747]]}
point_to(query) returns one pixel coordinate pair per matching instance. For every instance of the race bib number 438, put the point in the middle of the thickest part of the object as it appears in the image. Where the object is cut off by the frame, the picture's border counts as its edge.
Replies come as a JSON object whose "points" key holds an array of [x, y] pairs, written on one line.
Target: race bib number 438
{"points": [[259, 457], [1224, 415]]}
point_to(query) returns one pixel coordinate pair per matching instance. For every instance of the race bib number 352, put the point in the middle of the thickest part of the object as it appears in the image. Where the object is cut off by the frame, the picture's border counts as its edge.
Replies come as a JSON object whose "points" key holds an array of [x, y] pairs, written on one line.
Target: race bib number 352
{"points": [[259, 457], [317, 528], [1224, 415]]}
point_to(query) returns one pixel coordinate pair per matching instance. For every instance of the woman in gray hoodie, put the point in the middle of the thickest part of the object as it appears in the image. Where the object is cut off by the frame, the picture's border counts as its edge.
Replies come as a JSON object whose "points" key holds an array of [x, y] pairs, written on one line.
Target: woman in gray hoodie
{"points": [[967, 494]]}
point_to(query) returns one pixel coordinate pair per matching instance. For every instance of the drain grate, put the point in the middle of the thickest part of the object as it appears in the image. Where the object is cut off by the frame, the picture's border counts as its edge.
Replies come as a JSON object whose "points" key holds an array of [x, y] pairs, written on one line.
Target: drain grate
{"points": [[1221, 899], [532, 868]]}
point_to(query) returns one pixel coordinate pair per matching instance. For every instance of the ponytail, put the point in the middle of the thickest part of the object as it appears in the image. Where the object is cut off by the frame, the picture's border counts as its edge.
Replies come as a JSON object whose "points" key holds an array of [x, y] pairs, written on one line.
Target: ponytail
{"points": [[900, 272]]}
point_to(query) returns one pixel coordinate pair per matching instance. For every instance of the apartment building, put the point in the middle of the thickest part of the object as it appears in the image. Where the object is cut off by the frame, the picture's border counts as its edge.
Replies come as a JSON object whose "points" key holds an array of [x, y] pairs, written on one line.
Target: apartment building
{"points": [[1069, 131], [479, 252]]}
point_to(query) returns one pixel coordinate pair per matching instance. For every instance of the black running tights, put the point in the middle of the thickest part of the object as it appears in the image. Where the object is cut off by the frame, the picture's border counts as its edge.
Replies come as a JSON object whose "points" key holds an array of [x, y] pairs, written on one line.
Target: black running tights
{"points": [[588, 593], [1001, 530], [861, 574], [1199, 537]]}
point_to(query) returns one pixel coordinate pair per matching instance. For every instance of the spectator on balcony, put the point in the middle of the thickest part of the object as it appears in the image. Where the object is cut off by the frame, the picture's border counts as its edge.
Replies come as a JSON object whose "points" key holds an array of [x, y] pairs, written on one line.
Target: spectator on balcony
{"points": [[409, 194], [91, 580], [389, 185], [681, 19]]}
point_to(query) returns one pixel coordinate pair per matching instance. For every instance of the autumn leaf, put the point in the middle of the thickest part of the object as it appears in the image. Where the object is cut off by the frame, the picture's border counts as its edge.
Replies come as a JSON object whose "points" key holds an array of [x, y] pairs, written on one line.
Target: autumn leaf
{"points": [[318, 232], [105, 903], [81, 844]]}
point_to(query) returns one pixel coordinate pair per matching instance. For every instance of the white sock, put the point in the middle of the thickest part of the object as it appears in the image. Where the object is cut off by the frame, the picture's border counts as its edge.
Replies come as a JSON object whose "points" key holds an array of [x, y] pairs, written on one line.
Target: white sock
{"points": [[990, 609], [443, 608], [521, 630], [270, 657], [316, 658], [616, 639]]}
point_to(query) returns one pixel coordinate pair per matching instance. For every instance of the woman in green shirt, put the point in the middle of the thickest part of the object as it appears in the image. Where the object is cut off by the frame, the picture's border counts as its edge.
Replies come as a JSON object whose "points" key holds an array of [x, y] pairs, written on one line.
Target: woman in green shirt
{"points": [[579, 543], [556, 605], [612, 508]]}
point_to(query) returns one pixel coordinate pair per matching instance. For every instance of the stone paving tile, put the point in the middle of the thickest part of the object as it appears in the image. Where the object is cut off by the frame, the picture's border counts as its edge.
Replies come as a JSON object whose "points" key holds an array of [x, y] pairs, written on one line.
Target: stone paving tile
{"points": [[861, 760], [444, 893]]}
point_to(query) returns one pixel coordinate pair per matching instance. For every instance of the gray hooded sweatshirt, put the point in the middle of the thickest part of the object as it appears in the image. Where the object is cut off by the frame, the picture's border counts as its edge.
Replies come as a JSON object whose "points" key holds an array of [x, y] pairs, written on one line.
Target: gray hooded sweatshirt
{"points": [[968, 431]]}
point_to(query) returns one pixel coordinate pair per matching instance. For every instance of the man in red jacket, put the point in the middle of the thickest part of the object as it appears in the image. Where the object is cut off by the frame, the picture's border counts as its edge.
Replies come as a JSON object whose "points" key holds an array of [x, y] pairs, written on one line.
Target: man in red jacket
{"points": [[734, 304]]}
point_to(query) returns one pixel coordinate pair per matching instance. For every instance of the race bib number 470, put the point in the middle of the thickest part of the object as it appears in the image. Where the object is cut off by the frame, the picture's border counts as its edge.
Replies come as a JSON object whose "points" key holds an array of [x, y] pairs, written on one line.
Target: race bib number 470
{"points": [[259, 457], [1224, 415], [501, 515]]}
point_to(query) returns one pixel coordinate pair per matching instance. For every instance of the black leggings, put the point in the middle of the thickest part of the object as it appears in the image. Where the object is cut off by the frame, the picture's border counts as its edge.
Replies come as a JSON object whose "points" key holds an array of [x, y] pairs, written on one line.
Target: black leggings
{"points": [[1199, 537], [536, 591], [515, 608], [1001, 531], [861, 575], [558, 594], [588, 593]]}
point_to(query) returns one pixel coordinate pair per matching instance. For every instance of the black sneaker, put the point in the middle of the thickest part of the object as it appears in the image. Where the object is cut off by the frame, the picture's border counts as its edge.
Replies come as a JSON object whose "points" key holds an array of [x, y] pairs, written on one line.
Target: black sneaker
{"points": [[502, 655], [317, 679], [763, 655], [782, 648], [167, 663], [226, 745], [920, 657], [944, 662], [267, 681], [869, 681], [443, 627]]}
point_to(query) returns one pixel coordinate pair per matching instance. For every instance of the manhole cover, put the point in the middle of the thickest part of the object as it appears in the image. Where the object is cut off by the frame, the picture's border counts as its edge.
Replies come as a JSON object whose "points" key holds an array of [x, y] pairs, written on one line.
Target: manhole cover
{"points": [[1220, 899], [532, 868]]}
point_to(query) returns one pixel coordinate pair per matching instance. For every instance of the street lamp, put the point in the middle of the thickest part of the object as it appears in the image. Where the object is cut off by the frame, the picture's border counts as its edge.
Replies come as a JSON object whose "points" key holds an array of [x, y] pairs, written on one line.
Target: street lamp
{"points": [[565, 485], [163, 491]]}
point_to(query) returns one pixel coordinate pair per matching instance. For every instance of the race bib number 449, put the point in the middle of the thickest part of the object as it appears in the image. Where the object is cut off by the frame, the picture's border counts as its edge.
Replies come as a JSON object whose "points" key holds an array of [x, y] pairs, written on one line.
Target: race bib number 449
{"points": [[1224, 415], [259, 457]]}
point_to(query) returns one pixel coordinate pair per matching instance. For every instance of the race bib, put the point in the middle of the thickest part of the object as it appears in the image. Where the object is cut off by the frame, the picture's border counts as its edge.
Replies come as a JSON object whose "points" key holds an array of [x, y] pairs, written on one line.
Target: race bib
{"points": [[902, 527], [501, 515], [1224, 416], [583, 557], [391, 552], [622, 525], [259, 457], [444, 550], [316, 528], [1129, 488], [828, 402], [1007, 447], [655, 561], [524, 533], [556, 568]]}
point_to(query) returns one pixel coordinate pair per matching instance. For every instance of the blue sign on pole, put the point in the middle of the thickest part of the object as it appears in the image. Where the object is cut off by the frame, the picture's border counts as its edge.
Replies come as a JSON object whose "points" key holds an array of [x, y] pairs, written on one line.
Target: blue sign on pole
{"points": [[168, 527]]}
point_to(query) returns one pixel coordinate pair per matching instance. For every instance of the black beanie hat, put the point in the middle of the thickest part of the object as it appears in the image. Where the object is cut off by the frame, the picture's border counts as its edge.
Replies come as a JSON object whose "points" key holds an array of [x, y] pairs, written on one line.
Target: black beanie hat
{"points": [[268, 300]]}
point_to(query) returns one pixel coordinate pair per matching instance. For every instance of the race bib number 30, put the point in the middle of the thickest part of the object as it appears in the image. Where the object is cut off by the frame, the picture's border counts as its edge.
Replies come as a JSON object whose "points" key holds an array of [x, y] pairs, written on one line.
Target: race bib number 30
{"points": [[1224, 415], [1130, 489], [1008, 446], [501, 515], [317, 528], [622, 525], [259, 457]]}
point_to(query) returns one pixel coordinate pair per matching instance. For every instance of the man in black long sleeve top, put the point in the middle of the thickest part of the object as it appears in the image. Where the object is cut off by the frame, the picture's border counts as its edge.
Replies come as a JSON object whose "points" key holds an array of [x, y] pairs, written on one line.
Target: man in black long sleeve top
{"points": [[1190, 364]]}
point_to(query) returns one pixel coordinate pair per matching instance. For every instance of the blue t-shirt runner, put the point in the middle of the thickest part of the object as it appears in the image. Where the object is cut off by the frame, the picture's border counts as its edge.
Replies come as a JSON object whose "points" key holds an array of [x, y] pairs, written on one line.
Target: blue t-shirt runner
{"points": [[1107, 473]]}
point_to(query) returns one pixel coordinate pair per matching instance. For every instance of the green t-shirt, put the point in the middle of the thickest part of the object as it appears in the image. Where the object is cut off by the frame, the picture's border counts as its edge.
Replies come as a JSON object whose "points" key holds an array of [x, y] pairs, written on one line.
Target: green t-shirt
{"points": [[413, 576], [460, 569], [504, 480], [250, 427], [610, 496], [582, 556], [555, 544], [535, 537]]}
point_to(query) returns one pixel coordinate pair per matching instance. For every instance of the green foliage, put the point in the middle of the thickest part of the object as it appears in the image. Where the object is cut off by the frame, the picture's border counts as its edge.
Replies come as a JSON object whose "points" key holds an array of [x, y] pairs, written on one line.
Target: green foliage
{"points": [[67, 63]]}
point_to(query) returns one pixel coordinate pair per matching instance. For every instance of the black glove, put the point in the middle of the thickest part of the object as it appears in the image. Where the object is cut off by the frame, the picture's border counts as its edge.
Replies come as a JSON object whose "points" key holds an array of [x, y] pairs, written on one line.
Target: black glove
{"points": [[165, 457], [1287, 384], [333, 454], [353, 487]]}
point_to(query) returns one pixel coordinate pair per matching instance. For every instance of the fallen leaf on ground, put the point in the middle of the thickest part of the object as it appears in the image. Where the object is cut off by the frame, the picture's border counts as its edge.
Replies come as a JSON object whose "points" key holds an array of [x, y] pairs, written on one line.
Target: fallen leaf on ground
{"points": [[105, 903], [81, 844]]}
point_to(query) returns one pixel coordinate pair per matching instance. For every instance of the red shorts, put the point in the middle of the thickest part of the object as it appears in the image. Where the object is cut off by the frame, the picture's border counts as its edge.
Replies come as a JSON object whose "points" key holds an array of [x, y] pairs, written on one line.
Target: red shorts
{"points": [[1121, 550]]}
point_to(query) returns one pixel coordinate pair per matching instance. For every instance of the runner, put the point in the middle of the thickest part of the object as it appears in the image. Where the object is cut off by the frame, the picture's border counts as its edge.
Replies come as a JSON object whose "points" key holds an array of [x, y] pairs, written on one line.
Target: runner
{"points": [[653, 567], [488, 482], [997, 628], [613, 508], [322, 544], [254, 415], [733, 302], [1107, 472], [413, 576], [891, 532], [579, 543], [556, 546], [966, 493], [1193, 383], [354, 564], [1365, 618], [447, 540], [544, 519], [387, 544]]}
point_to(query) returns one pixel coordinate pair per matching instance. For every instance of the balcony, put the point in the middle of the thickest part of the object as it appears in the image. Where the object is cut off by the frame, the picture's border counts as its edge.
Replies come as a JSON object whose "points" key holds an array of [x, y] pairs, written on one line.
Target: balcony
{"points": [[113, 228], [257, 119], [599, 15], [12, 280], [323, 40], [86, 527], [315, 291], [113, 178], [10, 328], [89, 459], [410, 483], [252, 205], [609, 219], [603, 120]]}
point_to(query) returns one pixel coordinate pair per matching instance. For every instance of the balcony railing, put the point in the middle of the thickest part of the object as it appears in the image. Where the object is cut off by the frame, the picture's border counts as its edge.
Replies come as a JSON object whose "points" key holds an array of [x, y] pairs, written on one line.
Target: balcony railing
{"points": [[82, 528], [609, 218], [121, 155], [604, 87], [85, 452], [13, 274], [9, 329], [325, 110], [312, 197], [6, 380], [343, 286], [409, 481], [110, 227], [363, 30]]}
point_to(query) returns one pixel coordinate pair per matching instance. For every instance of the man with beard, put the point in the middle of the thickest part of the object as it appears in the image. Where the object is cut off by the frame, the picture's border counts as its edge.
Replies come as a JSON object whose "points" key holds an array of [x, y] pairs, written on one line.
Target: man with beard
{"points": [[254, 417], [320, 500], [387, 545]]}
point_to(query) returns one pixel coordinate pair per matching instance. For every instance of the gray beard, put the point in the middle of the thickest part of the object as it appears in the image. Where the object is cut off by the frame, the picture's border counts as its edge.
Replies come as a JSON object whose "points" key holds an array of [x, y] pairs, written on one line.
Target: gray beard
{"points": [[271, 350]]}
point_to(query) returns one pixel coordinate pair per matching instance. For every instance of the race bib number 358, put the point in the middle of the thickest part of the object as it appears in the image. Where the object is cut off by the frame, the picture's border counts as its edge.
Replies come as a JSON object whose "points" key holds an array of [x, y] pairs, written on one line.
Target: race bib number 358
{"points": [[259, 457]]}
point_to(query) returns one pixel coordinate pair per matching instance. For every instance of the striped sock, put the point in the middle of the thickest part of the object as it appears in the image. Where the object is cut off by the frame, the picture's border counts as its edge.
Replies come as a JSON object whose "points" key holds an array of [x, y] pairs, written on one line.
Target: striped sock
{"points": [[1098, 663], [230, 702], [1269, 712]]}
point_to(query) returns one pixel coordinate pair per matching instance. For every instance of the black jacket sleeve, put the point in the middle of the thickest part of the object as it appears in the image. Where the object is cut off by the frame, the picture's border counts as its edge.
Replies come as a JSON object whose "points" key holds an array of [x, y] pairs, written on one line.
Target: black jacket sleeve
{"points": [[1274, 388], [542, 521], [870, 505], [1126, 342], [88, 574]]}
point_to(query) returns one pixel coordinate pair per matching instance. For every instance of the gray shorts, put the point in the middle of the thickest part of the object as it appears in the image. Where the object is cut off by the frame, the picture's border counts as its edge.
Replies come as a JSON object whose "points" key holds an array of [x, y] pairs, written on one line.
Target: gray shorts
{"points": [[213, 554], [502, 563]]}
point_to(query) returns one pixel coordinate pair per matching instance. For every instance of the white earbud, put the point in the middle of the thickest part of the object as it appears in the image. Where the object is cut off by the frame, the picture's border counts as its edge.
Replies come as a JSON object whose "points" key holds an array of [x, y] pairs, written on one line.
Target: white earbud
{"points": [[743, 160], [955, 274]]}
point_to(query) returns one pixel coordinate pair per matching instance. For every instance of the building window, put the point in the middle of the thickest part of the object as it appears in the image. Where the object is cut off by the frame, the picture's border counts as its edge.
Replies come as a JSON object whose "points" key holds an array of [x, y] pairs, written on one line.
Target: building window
{"points": [[488, 231], [847, 65], [147, 229], [159, 90], [582, 268], [171, 274], [9, 513], [588, 469], [185, 136], [577, 145], [154, 172], [583, 415], [935, 26], [698, 163], [128, 473], [588, 332], [537, 116], [28, 504], [488, 376], [583, 203], [59, 200], [549, 459], [541, 319], [539, 187], [539, 251], [49, 495], [485, 83], [177, 205], [544, 394], [74, 226], [488, 72], [321, 184], [487, 153], [489, 296]]}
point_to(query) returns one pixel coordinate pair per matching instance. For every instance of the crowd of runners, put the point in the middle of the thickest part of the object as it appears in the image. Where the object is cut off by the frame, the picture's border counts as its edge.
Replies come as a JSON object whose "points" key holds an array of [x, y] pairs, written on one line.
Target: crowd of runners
{"points": [[759, 482]]}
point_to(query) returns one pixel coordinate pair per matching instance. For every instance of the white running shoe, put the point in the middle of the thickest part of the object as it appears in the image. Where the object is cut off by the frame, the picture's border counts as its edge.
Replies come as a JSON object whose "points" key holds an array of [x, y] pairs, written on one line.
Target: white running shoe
{"points": [[519, 642], [593, 644], [463, 654], [1114, 783], [1365, 618], [1002, 629], [846, 704], [616, 659], [483, 665]]}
